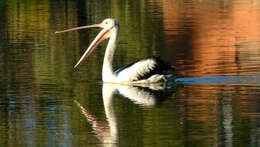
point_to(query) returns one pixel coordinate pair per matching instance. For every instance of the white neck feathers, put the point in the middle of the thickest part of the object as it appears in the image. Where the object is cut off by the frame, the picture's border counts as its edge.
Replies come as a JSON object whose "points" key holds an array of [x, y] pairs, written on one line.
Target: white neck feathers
{"points": [[107, 71]]}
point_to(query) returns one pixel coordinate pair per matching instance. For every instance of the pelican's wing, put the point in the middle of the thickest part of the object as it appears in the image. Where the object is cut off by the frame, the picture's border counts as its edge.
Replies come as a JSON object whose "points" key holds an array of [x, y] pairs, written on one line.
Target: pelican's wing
{"points": [[143, 69]]}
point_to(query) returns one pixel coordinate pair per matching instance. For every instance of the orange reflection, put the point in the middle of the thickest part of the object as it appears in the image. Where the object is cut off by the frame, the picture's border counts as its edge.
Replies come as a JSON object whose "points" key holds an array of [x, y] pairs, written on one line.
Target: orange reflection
{"points": [[224, 36], [223, 39]]}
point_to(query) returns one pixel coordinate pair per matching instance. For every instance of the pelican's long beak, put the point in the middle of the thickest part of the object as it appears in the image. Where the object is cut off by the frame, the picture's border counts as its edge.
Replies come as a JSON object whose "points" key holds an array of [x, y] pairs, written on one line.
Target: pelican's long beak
{"points": [[79, 28], [104, 34]]}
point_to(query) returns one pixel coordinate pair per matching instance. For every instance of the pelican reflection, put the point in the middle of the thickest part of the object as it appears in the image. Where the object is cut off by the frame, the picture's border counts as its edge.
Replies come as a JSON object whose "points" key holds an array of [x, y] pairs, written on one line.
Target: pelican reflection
{"points": [[145, 95]]}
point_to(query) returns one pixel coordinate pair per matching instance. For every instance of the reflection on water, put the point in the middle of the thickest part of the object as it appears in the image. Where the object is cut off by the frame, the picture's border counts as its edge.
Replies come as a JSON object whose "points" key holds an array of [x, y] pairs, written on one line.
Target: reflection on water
{"points": [[143, 95], [252, 79], [218, 37], [214, 45]]}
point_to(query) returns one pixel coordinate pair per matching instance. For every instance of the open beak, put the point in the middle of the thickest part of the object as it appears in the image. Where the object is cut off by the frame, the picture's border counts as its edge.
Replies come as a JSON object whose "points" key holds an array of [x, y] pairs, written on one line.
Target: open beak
{"points": [[104, 34]]}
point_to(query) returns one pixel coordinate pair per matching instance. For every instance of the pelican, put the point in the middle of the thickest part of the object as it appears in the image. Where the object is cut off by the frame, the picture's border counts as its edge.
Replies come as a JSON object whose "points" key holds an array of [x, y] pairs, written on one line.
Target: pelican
{"points": [[148, 70]]}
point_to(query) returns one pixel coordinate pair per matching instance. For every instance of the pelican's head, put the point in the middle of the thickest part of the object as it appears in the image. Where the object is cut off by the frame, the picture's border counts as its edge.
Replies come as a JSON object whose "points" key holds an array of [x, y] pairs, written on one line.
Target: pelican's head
{"points": [[109, 26], [109, 23]]}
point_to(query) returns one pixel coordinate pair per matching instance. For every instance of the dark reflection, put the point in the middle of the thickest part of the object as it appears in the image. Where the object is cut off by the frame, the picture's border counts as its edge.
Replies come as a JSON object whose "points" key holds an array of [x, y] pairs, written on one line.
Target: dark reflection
{"points": [[144, 95]]}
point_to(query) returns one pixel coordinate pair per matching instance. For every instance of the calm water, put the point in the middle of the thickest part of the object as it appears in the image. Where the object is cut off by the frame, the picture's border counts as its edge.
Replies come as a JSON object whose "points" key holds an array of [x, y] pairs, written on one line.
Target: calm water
{"points": [[214, 44]]}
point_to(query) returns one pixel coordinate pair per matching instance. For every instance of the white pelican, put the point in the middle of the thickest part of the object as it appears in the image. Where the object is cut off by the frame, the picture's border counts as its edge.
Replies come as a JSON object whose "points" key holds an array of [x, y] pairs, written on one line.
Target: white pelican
{"points": [[148, 70]]}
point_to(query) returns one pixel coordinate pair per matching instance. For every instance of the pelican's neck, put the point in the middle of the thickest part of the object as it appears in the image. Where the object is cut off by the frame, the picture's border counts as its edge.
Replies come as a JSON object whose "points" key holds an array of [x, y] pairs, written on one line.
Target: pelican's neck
{"points": [[107, 71]]}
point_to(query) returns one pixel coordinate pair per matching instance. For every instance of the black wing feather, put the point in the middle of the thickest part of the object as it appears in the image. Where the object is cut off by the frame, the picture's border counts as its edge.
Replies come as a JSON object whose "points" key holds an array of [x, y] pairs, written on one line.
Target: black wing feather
{"points": [[161, 67]]}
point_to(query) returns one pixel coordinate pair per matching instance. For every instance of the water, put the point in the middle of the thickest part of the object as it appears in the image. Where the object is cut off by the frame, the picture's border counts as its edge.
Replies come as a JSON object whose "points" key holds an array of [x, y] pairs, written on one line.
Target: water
{"points": [[214, 101]]}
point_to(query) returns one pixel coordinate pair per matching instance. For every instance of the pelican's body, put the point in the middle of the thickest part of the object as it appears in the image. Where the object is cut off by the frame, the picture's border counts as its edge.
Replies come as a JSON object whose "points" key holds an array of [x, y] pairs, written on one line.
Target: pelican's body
{"points": [[149, 70]]}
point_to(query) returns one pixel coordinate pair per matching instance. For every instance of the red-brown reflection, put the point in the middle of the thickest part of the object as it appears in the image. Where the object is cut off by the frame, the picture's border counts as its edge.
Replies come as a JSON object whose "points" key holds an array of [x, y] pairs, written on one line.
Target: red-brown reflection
{"points": [[222, 38], [212, 38]]}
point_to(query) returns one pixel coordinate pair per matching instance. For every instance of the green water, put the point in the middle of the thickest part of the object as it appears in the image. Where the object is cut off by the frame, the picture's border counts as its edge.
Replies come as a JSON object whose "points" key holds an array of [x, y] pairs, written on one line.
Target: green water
{"points": [[215, 46]]}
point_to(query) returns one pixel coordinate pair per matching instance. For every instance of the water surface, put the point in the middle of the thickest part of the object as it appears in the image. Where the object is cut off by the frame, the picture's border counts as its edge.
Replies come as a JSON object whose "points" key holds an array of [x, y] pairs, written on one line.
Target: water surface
{"points": [[214, 102]]}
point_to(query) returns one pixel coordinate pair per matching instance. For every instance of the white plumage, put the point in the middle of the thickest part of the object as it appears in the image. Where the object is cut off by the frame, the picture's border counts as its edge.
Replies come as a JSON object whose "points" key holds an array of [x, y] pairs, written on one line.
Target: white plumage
{"points": [[138, 69]]}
